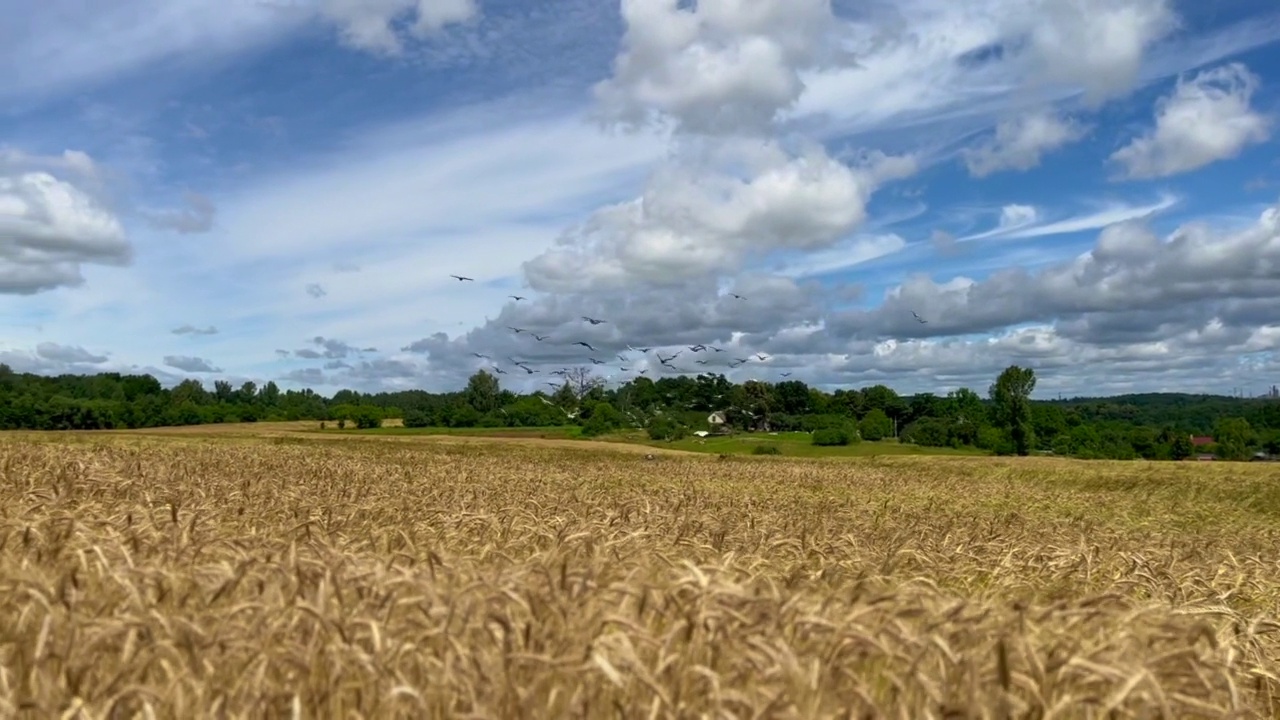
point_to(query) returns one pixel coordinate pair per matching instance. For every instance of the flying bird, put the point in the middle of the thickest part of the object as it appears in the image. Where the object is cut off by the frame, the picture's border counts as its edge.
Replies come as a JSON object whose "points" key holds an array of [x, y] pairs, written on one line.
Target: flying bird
{"points": [[621, 359], [593, 321], [642, 372], [585, 345], [538, 337], [595, 361], [551, 384], [461, 278], [625, 369], [697, 348], [921, 320], [701, 362], [639, 350], [736, 295], [762, 356], [786, 374], [516, 329], [499, 370], [713, 347], [483, 357], [517, 298]]}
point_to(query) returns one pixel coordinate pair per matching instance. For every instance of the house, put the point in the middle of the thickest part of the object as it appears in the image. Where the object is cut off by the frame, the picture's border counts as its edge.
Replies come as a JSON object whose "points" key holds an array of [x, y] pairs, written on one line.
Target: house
{"points": [[719, 423], [1201, 440]]}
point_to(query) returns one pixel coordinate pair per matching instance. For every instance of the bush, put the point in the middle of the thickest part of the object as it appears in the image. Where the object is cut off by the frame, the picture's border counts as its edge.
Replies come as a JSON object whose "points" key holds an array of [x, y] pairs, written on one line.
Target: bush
{"points": [[876, 425], [367, 417], [417, 419], [604, 418], [832, 436], [666, 428], [766, 450]]}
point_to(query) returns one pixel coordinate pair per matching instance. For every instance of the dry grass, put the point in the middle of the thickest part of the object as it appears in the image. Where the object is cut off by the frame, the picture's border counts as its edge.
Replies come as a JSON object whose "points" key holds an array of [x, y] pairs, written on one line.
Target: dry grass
{"points": [[180, 578]]}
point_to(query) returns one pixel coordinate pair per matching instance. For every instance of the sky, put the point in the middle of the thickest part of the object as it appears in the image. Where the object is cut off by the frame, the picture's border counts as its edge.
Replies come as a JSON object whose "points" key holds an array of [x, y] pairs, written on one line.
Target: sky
{"points": [[917, 193]]}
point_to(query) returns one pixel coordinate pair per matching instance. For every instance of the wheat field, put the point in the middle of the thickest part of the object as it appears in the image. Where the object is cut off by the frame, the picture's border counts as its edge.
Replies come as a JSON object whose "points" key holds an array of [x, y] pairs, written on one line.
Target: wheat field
{"points": [[289, 578]]}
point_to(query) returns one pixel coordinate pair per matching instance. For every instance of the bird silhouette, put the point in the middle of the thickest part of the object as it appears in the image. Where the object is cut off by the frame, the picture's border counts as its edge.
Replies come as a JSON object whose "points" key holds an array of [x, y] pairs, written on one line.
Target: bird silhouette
{"points": [[461, 278]]}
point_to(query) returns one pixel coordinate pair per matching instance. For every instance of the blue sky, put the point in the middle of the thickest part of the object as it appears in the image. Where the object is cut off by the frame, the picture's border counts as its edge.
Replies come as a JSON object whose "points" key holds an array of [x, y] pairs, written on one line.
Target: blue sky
{"points": [[280, 191]]}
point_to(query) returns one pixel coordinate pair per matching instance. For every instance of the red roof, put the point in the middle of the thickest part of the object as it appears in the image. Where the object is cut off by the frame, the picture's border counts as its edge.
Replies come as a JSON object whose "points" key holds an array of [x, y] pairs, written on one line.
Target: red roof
{"points": [[1198, 440]]}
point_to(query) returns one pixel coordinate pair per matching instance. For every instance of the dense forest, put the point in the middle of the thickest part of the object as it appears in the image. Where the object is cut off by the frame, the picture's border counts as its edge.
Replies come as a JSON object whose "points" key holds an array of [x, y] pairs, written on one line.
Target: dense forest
{"points": [[1003, 420]]}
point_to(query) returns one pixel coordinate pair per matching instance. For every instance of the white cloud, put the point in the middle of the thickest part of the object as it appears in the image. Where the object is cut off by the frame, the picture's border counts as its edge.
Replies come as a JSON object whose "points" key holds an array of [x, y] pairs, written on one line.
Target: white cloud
{"points": [[845, 256], [68, 354], [196, 217], [371, 24], [1130, 269], [696, 219], [1097, 45], [192, 330], [62, 45], [1031, 224], [190, 364], [1018, 144], [49, 227], [721, 66], [1017, 216], [1206, 119]]}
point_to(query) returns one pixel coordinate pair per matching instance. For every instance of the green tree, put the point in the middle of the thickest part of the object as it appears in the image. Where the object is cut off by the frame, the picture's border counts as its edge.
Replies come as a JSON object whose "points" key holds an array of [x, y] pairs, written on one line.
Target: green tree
{"points": [[604, 418], [1011, 398], [1180, 448], [1233, 436], [876, 425], [482, 392]]}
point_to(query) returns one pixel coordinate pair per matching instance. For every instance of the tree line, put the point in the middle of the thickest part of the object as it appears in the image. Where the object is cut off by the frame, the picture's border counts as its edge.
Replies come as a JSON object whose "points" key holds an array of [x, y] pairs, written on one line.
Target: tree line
{"points": [[1004, 420]]}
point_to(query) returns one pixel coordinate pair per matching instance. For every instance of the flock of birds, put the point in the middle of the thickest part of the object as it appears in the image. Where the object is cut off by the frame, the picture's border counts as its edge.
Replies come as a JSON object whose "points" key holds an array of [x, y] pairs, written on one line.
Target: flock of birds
{"points": [[665, 362]]}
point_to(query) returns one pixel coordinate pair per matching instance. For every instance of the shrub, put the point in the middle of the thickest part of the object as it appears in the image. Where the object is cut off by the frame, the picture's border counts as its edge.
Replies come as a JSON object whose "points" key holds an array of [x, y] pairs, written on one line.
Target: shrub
{"points": [[832, 436], [417, 419], [766, 450], [666, 428], [876, 425]]}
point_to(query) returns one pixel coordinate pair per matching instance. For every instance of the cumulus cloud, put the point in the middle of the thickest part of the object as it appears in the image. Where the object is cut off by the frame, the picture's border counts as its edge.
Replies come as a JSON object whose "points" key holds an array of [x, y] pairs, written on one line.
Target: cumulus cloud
{"points": [[193, 330], [720, 66], [1130, 269], [68, 354], [1096, 45], [1207, 118], [371, 25], [328, 348], [196, 216], [1019, 144], [51, 226], [697, 219], [190, 364]]}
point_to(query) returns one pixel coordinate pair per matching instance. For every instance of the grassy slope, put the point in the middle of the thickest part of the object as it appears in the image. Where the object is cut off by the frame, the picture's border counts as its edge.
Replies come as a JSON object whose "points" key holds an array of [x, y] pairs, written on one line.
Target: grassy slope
{"points": [[797, 444]]}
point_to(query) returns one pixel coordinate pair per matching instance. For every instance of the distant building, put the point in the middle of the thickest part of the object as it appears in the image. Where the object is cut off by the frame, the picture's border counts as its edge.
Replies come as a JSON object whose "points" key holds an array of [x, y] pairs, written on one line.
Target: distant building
{"points": [[1201, 440]]}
